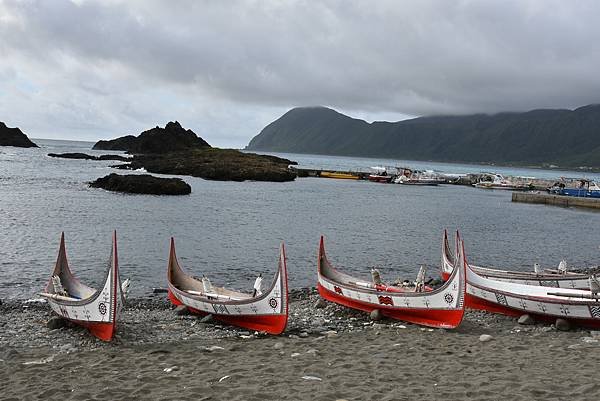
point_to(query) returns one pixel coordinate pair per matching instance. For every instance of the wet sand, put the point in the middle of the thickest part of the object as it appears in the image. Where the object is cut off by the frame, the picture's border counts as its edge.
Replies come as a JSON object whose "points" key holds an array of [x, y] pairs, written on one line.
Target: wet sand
{"points": [[328, 353]]}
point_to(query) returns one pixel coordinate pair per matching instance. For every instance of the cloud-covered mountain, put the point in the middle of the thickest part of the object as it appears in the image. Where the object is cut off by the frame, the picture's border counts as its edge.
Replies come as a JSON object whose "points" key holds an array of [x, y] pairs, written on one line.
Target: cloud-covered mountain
{"points": [[560, 137]]}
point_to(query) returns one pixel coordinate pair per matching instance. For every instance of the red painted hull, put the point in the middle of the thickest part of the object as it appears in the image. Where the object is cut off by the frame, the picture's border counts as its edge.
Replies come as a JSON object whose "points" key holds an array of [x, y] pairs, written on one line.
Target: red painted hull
{"points": [[272, 324], [440, 318], [474, 302], [102, 331]]}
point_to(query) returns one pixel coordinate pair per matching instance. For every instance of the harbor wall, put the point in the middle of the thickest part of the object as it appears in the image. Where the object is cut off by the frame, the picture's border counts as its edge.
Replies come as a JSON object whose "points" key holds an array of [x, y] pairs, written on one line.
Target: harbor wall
{"points": [[557, 200]]}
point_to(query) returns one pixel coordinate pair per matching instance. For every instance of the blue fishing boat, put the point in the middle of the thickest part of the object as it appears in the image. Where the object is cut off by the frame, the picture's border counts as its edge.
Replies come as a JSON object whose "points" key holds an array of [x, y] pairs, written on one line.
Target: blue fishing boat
{"points": [[585, 189]]}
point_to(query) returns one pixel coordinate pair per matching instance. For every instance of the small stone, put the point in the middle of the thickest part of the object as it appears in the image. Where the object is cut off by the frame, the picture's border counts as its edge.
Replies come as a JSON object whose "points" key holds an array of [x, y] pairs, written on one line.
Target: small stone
{"points": [[295, 354], [312, 351], [304, 334], [244, 333], [320, 304], [526, 320], [182, 310], [562, 324], [173, 368], [312, 378], [212, 348], [55, 322], [376, 315], [595, 333], [485, 338], [206, 319], [278, 345], [589, 340]]}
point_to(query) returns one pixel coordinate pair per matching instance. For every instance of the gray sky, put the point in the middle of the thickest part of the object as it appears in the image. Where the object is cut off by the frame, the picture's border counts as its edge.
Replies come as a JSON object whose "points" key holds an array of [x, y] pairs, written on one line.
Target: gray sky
{"points": [[101, 69]]}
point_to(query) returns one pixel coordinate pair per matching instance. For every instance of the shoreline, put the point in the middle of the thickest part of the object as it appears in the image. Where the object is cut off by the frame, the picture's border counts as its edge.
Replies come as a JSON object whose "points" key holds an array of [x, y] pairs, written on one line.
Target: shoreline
{"points": [[325, 353]]}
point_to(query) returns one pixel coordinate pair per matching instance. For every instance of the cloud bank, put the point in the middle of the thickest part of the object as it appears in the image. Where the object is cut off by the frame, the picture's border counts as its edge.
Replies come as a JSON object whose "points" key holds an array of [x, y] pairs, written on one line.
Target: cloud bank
{"points": [[98, 69]]}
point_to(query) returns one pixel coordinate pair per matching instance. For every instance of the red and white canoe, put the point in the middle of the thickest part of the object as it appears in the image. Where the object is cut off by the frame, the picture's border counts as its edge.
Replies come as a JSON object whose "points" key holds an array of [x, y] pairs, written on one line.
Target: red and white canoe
{"points": [[441, 308], [97, 310], [581, 307], [266, 311], [546, 278]]}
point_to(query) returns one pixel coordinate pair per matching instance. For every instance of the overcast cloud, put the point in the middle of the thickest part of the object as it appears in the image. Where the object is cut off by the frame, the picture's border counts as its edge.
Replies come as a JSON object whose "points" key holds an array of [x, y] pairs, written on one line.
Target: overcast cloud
{"points": [[100, 69]]}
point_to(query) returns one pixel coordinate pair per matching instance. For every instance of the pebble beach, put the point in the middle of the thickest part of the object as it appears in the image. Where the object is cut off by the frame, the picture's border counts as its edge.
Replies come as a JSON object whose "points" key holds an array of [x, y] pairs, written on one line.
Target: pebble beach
{"points": [[328, 352]]}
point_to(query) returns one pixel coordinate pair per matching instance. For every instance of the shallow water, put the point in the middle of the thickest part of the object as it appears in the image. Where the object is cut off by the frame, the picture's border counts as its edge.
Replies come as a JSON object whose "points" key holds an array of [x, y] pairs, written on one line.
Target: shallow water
{"points": [[231, 231]]}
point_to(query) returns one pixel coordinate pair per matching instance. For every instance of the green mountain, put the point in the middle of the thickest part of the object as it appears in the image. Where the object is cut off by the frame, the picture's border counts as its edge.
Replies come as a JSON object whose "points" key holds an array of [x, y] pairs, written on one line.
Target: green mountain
{"points": [[562, 137]]}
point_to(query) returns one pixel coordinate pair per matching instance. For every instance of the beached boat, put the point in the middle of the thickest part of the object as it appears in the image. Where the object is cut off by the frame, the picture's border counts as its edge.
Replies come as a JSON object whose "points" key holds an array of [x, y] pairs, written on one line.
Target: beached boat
{"points": [[261, 311], [497, 181], [560, 278], [442, 307], [340, 176], [97, 310], [581, 307]]}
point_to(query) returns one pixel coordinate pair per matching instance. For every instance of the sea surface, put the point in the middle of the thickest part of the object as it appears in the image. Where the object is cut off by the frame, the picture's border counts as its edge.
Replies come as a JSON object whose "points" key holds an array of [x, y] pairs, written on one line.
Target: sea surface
{"points": [[231, 231]]}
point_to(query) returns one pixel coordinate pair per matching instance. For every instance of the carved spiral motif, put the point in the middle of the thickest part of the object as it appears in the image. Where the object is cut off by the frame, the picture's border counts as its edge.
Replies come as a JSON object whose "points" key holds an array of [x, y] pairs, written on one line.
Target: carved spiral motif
{"points": [[102, 308], [448, 298]]}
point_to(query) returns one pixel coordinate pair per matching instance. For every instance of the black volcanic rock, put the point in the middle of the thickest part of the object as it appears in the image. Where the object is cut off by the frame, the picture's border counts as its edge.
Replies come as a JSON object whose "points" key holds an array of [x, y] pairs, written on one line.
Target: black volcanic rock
{"points": [[218, 164], [85, 156], [14, 137], [123, 143], [142, 184], [538, 137], [172, 138]]}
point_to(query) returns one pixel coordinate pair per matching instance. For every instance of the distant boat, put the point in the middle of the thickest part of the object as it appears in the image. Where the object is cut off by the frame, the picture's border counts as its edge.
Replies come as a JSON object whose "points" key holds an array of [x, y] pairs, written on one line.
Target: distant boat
{"points": [[408, 176], [341, 176], [442, 307], [97, 310], [381, 175], [497, 181], [261, 311], [585, 189]]}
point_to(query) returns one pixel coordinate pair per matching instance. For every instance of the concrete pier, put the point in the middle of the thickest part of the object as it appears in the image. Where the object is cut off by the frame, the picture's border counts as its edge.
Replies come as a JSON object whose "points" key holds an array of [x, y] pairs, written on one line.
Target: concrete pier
{"points": [[558, 200]]}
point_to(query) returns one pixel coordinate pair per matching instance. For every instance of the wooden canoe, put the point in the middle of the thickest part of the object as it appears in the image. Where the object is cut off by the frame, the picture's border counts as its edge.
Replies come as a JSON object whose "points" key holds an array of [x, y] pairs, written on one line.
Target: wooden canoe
{"points": [[97, 310], [266, 312], [441, 308], [546, 278], [581, 307]]}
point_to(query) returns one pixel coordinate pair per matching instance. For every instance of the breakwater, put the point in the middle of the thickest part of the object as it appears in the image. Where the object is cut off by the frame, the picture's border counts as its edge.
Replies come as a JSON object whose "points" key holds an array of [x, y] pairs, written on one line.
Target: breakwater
{"points": [[557, 200]]}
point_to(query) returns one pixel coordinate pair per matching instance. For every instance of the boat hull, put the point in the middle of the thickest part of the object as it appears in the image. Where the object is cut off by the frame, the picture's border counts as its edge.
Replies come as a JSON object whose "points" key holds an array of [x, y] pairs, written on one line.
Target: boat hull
{"points": [[97, 312], [543, 303], [439, 308], [443, 318], [267, 312], [567, 280]]}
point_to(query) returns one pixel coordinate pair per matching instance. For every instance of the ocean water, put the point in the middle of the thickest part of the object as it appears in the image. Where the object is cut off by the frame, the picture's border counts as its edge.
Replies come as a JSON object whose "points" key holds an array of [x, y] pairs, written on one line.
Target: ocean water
{"points": [[231, 231]]}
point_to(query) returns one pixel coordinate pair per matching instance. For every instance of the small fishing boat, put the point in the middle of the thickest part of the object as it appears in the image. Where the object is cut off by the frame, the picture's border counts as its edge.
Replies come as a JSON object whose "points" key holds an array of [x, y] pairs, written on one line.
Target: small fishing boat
{"points": [[441, 308], [409, 176], [584, 189], [261, 311], [581, 307], [380, 175], [97, 310], [559, 278], [497, 181], [338, 175]]}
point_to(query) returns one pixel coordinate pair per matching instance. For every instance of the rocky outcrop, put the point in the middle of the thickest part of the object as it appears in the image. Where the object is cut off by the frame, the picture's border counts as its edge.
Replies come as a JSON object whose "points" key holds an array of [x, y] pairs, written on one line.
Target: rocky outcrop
{"points": [[218, 164], [85, 156], [172, 138], [142, 184], [14, 137]]}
